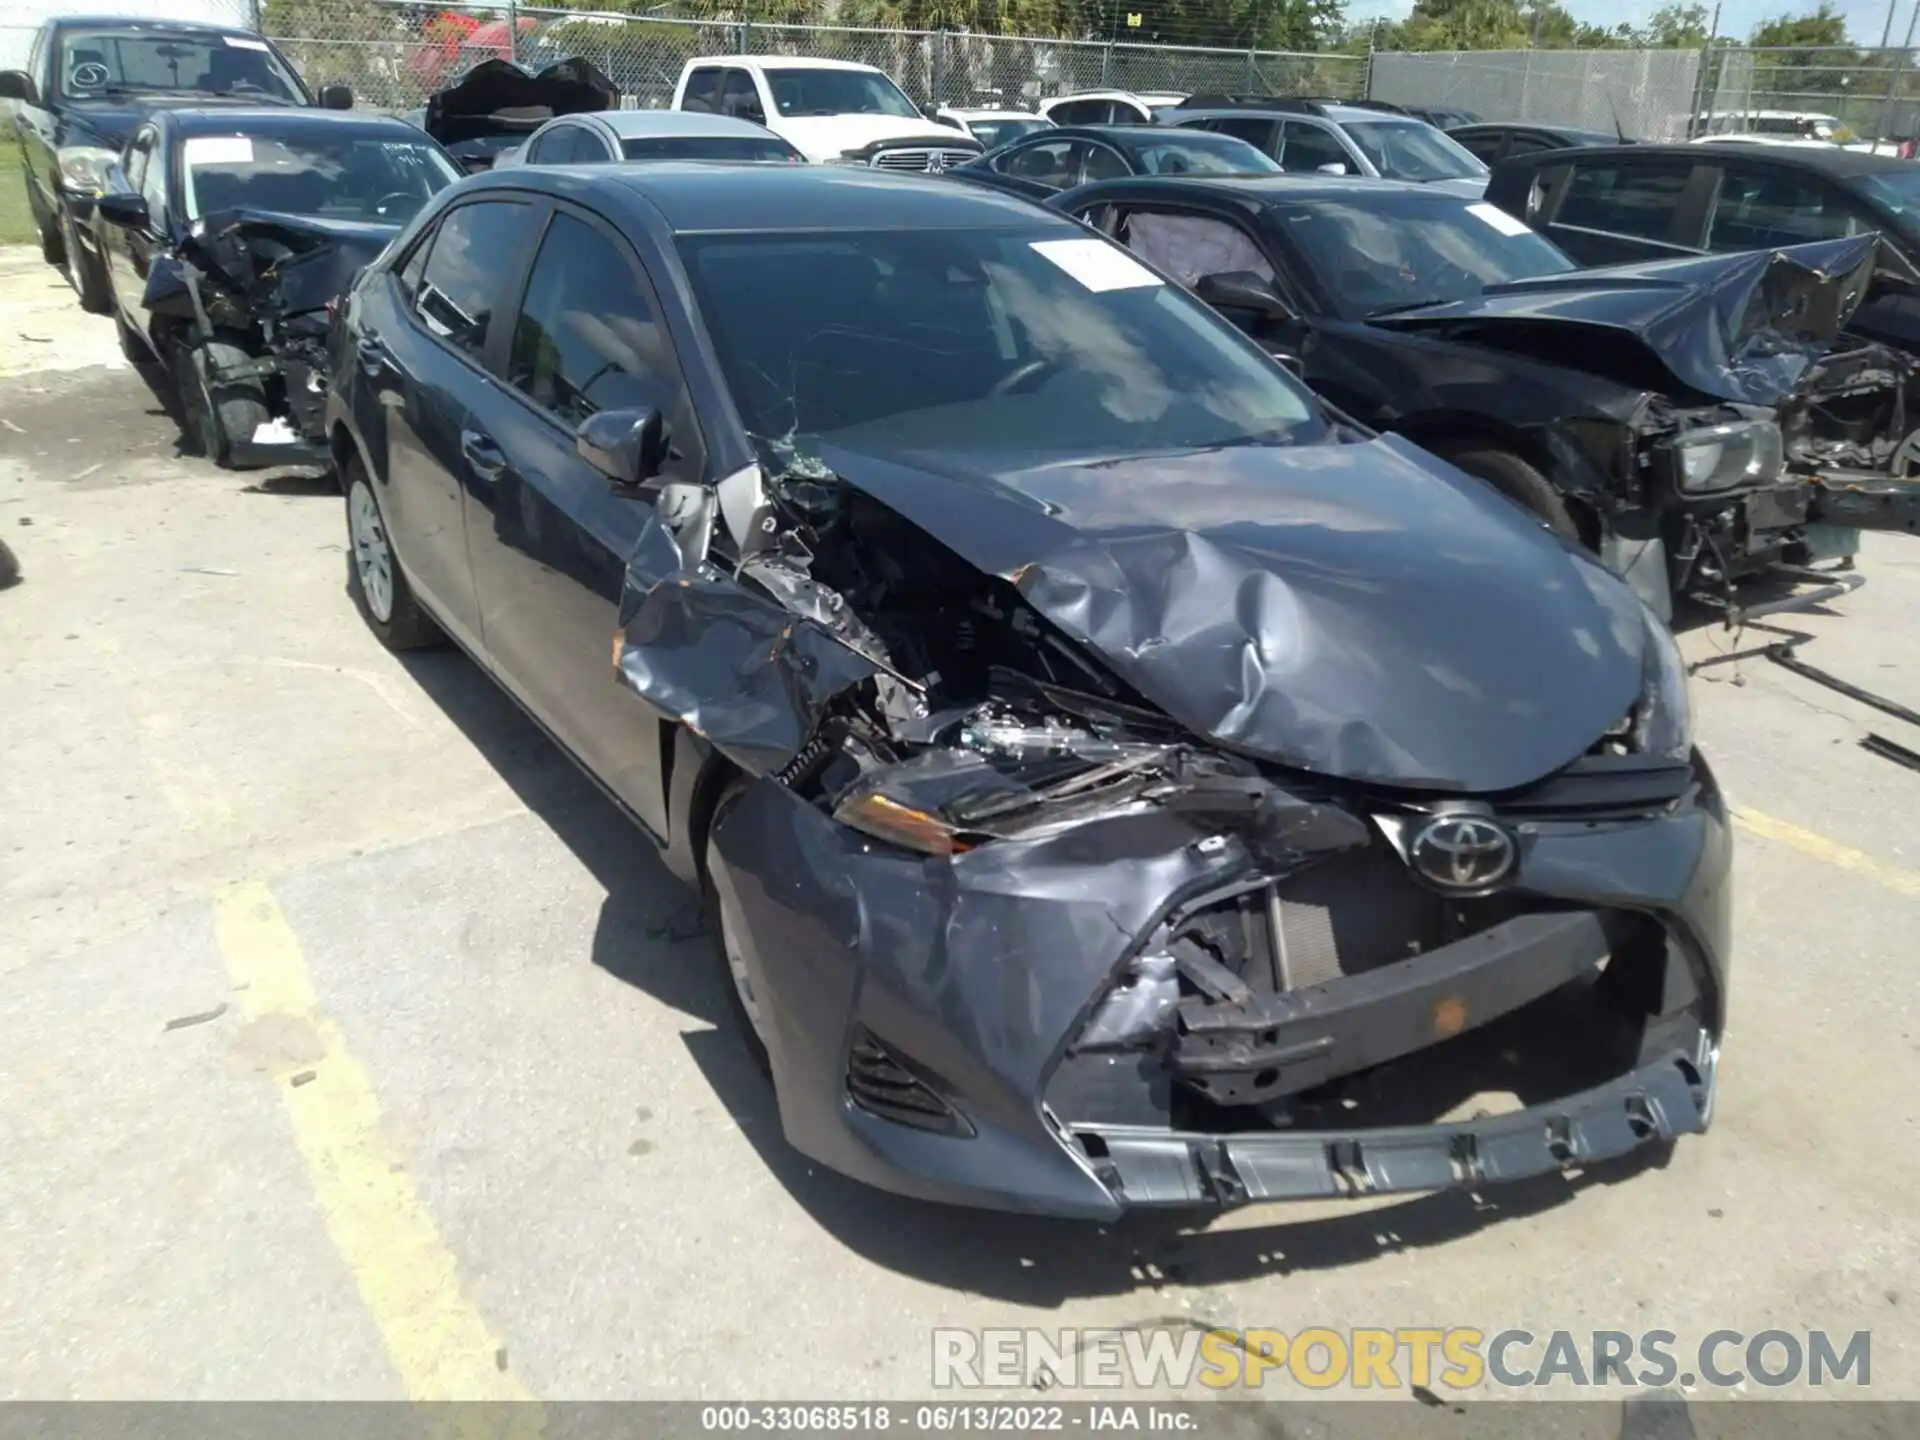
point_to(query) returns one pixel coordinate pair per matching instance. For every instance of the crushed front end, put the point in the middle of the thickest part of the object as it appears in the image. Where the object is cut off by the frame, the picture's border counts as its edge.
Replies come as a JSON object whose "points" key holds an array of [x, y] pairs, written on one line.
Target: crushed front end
{"points": [[1023, 939], [264, 284]]}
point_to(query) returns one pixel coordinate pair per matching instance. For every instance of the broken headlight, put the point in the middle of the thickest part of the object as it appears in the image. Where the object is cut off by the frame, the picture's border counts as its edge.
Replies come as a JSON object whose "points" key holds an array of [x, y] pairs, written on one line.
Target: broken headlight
{"points": [[1663, 720], [1720, 457], [86, 169], [884, 818]]}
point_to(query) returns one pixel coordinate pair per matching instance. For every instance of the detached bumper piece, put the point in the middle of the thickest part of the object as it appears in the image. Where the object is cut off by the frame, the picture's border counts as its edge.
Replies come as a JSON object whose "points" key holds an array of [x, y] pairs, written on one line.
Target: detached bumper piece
{"points": [[1867, 501], [1670, 1097]]}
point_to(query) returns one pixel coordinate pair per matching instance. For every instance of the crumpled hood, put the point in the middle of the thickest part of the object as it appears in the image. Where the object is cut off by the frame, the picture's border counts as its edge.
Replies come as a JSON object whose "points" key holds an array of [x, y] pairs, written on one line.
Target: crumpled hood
{"points": [[1362, 611], [474, 104], [828, 137], [286, 264], [1743, 328]]}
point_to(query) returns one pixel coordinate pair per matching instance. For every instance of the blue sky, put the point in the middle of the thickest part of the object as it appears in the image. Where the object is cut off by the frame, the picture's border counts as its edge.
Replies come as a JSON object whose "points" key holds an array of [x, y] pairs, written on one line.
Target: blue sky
{"points": [[1865, 18]]}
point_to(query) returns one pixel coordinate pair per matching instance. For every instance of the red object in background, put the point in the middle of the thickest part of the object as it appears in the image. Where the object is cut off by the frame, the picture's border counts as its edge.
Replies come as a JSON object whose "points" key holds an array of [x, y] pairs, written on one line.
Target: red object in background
{"points": [[453, 43], [1906, 149]]}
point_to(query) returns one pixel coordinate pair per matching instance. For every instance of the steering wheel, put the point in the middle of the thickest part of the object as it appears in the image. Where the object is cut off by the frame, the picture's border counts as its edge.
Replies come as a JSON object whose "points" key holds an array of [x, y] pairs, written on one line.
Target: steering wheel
{"points": [[393, 197], [1023, 378]]}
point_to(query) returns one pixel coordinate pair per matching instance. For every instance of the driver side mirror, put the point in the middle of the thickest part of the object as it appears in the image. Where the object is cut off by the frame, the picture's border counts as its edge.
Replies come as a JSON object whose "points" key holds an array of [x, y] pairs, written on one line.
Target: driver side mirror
{"points": [[18, 85], [626, 446], [1332, 167], [1242, 290], [123, 208], [336, 97]]}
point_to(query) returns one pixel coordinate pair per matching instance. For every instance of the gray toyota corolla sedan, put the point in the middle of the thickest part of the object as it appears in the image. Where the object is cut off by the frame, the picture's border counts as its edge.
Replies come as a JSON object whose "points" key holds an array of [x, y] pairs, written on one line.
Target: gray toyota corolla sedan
{"points": [[1114, 781]]}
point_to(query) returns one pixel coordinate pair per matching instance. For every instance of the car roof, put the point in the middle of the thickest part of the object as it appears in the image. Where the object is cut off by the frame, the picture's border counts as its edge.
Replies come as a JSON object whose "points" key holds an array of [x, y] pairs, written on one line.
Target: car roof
{"points": [[974, 112], [633, 124], [702, 196], [1147, 97], [147, 22], [1830, 159], [1526, 127], [1338, 111], [785, 62], [275, 120], [1267, 189]]}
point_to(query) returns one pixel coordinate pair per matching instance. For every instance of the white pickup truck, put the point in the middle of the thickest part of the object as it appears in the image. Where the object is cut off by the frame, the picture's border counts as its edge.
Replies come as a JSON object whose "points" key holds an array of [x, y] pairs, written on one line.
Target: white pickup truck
{"points": [[831, 111]]}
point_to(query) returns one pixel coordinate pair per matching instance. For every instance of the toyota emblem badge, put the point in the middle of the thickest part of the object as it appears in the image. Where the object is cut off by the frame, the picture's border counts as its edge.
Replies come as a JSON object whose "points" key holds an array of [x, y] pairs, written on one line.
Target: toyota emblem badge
{"points": [[1462, 852]]}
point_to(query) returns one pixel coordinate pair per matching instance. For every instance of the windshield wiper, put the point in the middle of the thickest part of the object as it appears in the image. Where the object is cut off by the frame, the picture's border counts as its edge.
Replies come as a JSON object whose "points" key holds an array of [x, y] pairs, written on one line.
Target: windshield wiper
{"points": [[252, 97], [1407, 305]]}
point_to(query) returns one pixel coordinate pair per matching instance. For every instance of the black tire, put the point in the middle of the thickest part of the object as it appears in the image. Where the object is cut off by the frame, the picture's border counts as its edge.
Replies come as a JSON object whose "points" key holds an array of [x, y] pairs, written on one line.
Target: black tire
{"points": [[52, 248], [1517, 480], [213, 416], [9, 567], [405, 625], [721, 933], [88, 275], [132, 344]]}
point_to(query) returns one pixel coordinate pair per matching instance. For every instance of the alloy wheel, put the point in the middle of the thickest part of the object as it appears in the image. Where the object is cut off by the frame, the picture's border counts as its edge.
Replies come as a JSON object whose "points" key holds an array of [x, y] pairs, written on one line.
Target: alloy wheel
{"points": [[372, 556], [742, 980]]}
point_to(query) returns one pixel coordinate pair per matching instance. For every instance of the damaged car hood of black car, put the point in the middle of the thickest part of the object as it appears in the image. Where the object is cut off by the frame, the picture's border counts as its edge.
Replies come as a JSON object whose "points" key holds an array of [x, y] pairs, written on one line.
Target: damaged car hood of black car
{"points": [[1743, 328], [496, 96], [1358, 611]]}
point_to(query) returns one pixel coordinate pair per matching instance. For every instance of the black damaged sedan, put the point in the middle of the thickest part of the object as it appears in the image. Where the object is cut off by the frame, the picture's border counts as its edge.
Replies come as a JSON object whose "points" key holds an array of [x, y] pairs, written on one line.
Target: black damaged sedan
{"points": [[1113, 784]]}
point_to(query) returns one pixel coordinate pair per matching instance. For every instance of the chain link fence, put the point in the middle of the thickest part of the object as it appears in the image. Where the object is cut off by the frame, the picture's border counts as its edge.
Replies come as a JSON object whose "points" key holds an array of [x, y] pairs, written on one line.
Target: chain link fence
{"points": [[1643, 94], [1875, 93], [395, 55]]}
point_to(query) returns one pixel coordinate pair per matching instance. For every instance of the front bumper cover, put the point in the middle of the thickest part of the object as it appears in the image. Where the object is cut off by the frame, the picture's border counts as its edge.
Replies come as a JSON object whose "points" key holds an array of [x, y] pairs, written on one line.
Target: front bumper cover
{"points": [[983, 969], [1658, 1102]]}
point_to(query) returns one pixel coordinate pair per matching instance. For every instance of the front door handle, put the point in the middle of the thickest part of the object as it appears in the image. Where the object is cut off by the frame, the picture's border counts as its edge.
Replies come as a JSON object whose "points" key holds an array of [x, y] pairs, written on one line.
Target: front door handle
{"points": [[372, 353], [487, 460]]}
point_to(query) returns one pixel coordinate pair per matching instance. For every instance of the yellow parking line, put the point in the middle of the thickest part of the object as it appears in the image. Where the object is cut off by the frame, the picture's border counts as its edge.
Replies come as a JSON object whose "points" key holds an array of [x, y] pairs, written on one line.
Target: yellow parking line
{"points": [[407, 1277], [1842, 857]]}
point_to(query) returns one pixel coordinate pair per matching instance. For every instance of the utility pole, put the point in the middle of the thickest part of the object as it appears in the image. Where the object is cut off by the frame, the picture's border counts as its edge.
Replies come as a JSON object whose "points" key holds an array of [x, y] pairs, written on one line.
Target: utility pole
{"points": [[1899, 65]]}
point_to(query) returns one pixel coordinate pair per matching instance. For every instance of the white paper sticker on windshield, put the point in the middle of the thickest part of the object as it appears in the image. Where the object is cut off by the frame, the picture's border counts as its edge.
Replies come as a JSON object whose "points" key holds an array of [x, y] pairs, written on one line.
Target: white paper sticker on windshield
{"points": [[240, 42], [1096, 264], [1498, 218], [218, 150]]}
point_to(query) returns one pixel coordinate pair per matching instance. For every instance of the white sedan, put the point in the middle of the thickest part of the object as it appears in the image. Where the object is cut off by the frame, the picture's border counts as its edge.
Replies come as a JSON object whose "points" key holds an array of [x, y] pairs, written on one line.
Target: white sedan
{"points": [[605, 136]]}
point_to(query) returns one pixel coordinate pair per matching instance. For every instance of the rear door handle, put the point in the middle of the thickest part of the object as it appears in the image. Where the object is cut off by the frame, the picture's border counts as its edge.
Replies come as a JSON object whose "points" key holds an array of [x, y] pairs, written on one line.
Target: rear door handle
{"points": [[487, 459]]}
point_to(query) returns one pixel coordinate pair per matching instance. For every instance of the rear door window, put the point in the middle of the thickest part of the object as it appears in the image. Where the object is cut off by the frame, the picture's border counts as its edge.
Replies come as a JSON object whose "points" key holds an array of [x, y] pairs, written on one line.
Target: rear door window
{"points": [[1758, 209], [740, 99], [1081, 112], [1254, 129], [703, 90], [1055, 163], [554, 146], [1190, 247], [474, 253], [1487, 148], [1625, 199]]}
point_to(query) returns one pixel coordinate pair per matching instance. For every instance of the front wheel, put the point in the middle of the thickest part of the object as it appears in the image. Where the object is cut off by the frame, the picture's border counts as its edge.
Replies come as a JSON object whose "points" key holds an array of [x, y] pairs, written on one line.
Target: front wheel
{"points": [[746, 1003], [1518, 481], [374, 579], [216, 412], [85, 269]]}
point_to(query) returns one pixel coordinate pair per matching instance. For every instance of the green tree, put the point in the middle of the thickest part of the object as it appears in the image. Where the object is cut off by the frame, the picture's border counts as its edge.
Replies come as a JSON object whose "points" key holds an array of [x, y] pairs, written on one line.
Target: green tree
{"points": [[1676, 27]]}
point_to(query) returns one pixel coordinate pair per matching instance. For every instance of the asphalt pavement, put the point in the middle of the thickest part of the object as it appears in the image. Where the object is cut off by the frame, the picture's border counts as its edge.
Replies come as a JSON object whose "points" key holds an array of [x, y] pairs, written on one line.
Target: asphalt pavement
{"points": [[351, 1045]]}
